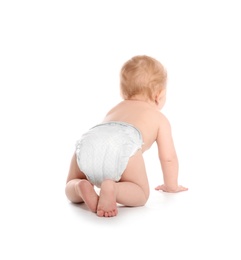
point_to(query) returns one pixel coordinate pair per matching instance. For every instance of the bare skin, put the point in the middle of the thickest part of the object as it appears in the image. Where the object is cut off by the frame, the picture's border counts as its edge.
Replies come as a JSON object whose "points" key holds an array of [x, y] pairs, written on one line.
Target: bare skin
{"points": [[133, 187], [107, 203], [86, 191], [132, 190]]}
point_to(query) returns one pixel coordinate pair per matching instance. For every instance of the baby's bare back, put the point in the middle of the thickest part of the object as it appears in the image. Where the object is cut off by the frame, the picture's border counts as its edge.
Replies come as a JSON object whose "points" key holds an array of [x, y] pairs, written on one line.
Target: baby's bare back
{"points": [[140, 114]]}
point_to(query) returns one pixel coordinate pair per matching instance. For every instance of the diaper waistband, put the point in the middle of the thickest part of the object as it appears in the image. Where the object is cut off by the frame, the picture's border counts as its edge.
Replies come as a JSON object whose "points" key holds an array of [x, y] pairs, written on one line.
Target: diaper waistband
{"points": [[121, 124]]}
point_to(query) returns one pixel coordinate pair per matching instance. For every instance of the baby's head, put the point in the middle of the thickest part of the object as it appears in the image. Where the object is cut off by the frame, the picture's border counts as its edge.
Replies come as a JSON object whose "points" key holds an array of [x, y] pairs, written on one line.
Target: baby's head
{"points": [[142, 75]]}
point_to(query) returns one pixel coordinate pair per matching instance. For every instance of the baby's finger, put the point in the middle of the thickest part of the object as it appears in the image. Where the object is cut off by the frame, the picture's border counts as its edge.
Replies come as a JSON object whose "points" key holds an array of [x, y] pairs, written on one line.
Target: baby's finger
{"points": [[159, 187], [181, 188]]}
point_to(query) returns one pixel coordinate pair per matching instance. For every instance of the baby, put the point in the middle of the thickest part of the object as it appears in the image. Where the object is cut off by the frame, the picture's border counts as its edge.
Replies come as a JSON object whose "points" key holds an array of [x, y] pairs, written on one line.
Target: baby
{"points": [[110, 155]]}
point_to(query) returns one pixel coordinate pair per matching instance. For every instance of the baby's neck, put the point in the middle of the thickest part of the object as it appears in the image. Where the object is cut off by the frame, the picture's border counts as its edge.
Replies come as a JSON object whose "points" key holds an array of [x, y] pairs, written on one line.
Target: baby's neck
{"points": [[142, 99]]}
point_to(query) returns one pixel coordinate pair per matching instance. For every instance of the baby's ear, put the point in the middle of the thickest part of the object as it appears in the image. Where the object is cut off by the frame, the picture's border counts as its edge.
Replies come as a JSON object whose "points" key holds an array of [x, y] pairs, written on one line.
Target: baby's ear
{"points": [[159, 96], [162, 93]]}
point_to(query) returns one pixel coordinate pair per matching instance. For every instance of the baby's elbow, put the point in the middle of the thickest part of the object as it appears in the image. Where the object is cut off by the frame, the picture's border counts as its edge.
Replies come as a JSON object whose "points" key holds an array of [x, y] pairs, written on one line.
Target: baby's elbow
{"points": [[170, 159]]}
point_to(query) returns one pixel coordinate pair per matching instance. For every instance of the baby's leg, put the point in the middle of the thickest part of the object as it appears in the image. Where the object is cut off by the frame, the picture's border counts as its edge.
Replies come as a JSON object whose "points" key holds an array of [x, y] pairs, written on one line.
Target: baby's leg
{"points": [[87, 193], [78, 189], [132, 190], [107, 202]]}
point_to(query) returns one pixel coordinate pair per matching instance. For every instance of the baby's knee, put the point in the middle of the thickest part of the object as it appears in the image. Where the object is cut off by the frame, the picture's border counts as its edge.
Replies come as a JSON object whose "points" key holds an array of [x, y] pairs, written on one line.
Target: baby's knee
{"points": [[145, 196]]}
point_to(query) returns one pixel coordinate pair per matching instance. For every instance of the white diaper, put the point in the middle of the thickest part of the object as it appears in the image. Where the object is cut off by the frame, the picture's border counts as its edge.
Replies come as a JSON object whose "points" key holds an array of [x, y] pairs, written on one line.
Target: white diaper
{"points": [[103, 152]]}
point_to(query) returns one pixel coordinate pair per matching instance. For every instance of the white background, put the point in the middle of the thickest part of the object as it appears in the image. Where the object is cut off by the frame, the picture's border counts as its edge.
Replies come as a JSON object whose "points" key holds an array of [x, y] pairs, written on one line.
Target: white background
{"points": [[59, 75]]}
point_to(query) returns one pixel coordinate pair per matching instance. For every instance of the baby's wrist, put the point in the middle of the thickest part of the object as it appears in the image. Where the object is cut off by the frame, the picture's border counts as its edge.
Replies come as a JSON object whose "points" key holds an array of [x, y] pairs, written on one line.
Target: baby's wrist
{"points": [[171, 188]]}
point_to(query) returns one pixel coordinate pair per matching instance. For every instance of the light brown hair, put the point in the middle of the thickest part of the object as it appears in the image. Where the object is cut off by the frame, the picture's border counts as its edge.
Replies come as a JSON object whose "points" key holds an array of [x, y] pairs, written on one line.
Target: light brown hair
{"points": [[142, 75]]}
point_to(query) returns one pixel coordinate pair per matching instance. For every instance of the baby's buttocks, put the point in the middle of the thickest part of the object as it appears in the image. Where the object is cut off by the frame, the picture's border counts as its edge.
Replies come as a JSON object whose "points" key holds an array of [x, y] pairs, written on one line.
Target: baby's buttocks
{"points": [[103, 152]]}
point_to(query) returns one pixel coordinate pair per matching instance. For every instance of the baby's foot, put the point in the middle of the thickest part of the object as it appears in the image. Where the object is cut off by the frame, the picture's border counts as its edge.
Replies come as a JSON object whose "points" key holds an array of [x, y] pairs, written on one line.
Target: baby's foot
{"points": [[88, 194], [107, 202]]}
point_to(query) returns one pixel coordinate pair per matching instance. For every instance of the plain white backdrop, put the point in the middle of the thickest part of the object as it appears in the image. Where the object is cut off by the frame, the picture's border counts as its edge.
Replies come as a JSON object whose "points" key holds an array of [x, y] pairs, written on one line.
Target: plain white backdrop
{"points": [[59, 75]]}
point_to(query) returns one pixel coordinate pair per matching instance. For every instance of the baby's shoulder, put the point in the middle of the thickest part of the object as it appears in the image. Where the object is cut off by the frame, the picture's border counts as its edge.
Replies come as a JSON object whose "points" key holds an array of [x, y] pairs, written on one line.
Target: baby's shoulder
{"points": [[157, 115], [162, 116], [161, 120]]}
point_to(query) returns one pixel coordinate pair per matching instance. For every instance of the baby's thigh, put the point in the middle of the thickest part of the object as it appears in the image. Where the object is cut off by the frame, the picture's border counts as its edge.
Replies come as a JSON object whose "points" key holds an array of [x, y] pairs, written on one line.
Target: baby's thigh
{"points": [[74, 171], [135, 172]]}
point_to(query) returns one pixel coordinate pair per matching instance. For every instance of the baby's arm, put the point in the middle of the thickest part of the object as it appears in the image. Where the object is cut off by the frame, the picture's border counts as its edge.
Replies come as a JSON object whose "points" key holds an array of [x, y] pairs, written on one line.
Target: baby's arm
{"points": [[168, 158]]}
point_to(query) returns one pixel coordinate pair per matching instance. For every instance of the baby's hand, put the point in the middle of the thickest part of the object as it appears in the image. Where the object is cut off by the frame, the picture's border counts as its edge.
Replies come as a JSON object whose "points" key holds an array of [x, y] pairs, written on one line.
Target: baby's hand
{"points": [[167, 189]]}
